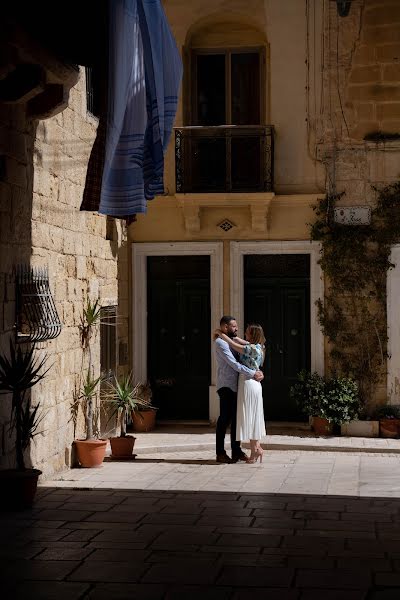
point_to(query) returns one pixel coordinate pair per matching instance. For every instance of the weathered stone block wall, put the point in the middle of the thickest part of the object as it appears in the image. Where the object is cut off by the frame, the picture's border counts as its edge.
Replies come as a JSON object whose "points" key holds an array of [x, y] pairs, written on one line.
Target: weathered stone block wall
{"points": [[82, 263]]}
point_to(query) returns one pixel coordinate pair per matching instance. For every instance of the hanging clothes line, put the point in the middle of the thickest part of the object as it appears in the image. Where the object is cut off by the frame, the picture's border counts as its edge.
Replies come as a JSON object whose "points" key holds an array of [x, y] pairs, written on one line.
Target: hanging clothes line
{"points": [[126, 165]]}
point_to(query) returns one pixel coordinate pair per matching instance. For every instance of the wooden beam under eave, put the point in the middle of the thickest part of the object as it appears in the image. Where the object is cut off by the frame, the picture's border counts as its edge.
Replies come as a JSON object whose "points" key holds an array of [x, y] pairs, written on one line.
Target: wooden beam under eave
{"points": [[22, 84], [53, 100]]}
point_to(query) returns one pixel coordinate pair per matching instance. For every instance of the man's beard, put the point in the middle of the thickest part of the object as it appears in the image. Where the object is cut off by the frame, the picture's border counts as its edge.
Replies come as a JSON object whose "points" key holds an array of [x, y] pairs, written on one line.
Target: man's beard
{"points": [[232, 334]]}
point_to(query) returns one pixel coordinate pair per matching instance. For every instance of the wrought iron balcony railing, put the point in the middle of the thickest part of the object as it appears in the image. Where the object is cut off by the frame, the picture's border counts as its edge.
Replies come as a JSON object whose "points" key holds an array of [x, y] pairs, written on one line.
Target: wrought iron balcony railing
{"points": [[226, 158]]}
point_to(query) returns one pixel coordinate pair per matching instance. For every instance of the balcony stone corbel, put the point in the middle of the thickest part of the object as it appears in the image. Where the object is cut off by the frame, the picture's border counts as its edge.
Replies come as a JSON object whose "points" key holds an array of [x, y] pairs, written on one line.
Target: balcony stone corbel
{"points": [[260, 214], [191, 217]]}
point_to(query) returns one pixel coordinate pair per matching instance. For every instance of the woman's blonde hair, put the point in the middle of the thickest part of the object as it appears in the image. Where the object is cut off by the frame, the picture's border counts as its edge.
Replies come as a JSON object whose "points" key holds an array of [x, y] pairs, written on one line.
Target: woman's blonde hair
{"points": [[256, 334]]}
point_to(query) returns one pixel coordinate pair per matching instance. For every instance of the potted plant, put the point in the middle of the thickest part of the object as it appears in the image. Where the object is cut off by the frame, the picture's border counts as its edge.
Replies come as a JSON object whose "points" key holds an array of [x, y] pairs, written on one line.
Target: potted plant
{"points": [[124, 397], [91, 451], [19, 373], [144, 417], [389, 420], [328, 401]]}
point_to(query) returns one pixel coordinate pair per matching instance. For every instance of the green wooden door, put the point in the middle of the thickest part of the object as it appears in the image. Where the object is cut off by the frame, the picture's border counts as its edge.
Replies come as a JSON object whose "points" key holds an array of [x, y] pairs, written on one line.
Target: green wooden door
{"points": [[179, 361], [278, 297]]}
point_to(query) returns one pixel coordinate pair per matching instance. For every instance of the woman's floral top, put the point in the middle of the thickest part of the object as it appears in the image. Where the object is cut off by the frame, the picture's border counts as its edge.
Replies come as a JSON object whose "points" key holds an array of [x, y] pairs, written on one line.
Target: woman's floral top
{"points": [[253, 356]]}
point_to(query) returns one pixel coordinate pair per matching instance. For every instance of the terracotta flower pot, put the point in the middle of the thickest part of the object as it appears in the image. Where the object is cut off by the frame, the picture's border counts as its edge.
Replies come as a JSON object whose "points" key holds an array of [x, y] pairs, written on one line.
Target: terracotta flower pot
{"points": [[322, 426], [91, 453], [122, 447], [389, 428], [144, 420], [18, 488]]}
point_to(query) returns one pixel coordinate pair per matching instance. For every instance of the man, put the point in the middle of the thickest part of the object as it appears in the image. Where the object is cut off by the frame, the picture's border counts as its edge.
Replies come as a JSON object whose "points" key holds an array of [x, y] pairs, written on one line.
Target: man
{"points": [[228, 369]]}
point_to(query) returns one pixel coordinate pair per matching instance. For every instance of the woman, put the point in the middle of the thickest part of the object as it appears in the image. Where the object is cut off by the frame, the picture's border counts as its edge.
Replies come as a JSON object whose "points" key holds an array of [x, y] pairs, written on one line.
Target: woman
{"points": [[250, 412]]}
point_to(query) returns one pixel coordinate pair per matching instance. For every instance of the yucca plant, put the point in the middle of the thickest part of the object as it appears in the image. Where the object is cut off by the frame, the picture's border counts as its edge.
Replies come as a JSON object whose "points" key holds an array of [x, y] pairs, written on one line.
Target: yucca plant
{"points": [[124, 397], [19, 372], [88, 393], [89, 318]]}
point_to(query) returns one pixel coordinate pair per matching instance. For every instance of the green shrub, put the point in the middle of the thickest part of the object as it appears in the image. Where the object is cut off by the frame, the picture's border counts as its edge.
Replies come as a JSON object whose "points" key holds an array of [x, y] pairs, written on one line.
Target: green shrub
{"points": [[334, 399]]}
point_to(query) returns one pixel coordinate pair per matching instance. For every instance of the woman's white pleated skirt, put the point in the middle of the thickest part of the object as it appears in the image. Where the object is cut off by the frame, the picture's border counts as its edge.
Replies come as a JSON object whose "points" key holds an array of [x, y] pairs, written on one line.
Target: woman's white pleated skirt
{"points": [[250, 423]]}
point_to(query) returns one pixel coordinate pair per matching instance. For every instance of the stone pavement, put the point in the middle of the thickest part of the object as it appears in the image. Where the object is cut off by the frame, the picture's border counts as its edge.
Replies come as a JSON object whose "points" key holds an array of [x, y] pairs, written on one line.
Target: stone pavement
{"points": [[281, 436], [301, 526]]}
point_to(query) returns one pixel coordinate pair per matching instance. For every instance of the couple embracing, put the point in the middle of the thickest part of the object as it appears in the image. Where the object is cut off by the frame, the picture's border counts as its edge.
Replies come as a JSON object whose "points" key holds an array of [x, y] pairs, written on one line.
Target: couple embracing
{"points": [[239, 389]]}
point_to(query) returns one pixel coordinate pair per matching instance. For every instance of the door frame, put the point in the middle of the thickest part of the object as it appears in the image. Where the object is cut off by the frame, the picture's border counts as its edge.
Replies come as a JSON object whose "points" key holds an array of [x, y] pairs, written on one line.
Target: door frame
{"points": [[393, 326], [140, 252], [239, 249]]}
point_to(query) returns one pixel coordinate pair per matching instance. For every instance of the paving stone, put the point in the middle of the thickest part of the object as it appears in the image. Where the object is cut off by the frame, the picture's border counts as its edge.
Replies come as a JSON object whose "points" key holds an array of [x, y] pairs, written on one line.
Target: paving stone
{"points": [[323, 594], [38, 570], [100, 525], [126, 591], [220, 520], [231, 549], [365, 562], [63, 514], [184, 592], [222, 510], [108, 572], [89, 506], [117, 554], [392, 594], [255, 577], [81, 535], [41, 534], [267, 593], [314, 514], [192, 573], [170, 519], [64, 554], [340, 525], [114, 517], [44, 590], [231, 539], [333, 579], [272, 523]]}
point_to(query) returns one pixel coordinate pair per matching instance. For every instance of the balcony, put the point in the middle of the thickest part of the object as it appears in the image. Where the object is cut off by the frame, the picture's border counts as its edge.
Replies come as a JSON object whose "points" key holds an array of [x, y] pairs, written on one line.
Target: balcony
{"points": [[224, 158]]}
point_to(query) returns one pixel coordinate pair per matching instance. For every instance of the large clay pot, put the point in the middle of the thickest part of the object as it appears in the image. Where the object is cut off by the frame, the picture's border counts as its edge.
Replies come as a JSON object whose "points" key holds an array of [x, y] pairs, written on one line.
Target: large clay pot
{"points": [[91, 453], [18, 488], [122, 447], [144, 420], [322, 426], [389, 428]]}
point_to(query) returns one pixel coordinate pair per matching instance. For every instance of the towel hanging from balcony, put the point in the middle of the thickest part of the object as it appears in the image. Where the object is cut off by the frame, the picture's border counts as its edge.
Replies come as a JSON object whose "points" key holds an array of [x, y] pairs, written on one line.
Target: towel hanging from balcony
{"points": [[144, 73]]}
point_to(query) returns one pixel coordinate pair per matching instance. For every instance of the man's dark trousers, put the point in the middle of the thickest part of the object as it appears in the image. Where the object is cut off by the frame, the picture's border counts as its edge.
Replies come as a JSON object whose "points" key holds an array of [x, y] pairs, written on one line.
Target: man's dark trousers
{"points": [[227, 415]]}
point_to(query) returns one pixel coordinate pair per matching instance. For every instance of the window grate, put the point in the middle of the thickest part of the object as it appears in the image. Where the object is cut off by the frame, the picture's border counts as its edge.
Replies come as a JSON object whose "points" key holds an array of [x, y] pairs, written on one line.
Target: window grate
{"points": [[36, 314], [92, 92]]}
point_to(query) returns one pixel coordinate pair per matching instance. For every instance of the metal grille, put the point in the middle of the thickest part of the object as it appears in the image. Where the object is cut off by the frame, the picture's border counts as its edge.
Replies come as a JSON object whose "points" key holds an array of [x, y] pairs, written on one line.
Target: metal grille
{"points": [[228, 158], [92, 95], [108, 341], [36, 314]]}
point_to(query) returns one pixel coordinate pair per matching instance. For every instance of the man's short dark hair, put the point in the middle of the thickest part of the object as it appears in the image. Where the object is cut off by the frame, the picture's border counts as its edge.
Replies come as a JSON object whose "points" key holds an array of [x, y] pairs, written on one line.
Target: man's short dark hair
{"points": [[226, 319]]}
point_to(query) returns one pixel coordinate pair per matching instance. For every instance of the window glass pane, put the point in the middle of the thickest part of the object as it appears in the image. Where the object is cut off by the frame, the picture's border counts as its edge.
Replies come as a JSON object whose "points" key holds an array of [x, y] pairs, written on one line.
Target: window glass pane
{"points": [[211, 89], [245, 100]]}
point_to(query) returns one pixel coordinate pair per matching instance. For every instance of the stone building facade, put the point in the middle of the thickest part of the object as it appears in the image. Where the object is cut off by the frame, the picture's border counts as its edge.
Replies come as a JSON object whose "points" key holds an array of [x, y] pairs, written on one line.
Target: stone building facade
{"points": [[85, 255]]}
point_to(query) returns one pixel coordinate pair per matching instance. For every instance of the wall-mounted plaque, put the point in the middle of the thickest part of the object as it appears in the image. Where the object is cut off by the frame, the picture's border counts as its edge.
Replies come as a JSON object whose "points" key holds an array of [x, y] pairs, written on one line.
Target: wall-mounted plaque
{"points": [[352, 215]]}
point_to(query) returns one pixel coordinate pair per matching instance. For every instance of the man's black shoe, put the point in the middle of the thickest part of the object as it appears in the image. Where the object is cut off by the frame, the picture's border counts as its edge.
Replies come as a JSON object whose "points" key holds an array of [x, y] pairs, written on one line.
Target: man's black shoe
{"points": [[224, 458], [239, 457]]}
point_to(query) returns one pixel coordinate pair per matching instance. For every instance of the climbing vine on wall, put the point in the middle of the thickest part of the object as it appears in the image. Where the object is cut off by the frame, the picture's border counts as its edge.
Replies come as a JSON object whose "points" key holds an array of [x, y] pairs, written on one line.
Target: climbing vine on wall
{"points": [[355, 260]]}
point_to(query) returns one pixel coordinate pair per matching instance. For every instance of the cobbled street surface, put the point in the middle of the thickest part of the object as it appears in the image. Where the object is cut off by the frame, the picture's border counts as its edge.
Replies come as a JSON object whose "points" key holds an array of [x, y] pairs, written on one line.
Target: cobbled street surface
{"points": [[300, 526]]}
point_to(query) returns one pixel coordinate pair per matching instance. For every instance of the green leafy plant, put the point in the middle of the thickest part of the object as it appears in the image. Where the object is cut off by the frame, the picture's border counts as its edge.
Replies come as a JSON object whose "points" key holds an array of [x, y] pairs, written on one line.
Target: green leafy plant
{"points": [[352, 314], [89, 394], [334, 399], [125, 397], [90, 317], [18, 374]]}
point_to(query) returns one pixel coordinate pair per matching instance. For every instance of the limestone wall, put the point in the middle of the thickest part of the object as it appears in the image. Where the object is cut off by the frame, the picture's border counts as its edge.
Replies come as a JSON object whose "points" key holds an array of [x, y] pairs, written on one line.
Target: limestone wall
{"points": [[40, 211]]}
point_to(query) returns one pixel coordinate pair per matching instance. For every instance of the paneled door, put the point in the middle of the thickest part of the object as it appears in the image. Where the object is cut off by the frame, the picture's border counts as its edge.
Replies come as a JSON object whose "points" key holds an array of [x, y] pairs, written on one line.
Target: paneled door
{"points": [[179, 341], [277, 295]]}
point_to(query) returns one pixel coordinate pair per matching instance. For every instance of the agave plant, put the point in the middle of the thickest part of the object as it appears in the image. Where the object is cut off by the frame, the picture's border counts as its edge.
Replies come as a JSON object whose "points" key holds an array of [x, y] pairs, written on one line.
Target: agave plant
{"points": [[124, 396], [19, 373], [88, 393]]}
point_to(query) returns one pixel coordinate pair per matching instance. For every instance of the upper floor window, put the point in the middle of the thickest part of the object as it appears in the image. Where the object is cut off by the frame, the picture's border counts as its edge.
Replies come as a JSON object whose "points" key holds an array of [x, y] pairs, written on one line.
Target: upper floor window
{"points": [[92, 91], [226, 87]]}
